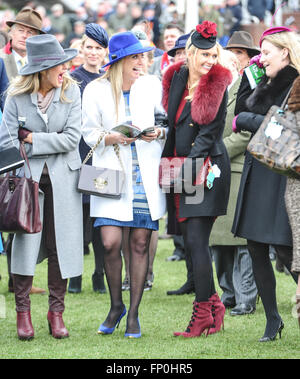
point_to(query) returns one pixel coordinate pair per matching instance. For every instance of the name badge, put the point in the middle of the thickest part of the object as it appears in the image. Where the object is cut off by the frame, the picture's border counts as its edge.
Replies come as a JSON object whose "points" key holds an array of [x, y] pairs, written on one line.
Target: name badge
{"points": [[273, 129]]}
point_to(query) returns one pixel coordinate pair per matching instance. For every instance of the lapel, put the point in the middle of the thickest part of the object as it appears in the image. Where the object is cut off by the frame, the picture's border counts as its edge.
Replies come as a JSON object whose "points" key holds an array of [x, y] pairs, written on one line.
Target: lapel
{"points": [[176, 91], [185, 112], [10, 66], [232, 93]]}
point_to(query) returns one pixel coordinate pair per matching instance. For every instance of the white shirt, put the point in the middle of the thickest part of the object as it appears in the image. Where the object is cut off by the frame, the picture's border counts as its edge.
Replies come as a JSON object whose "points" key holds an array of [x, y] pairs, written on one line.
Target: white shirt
{"points": [[19, 59]]}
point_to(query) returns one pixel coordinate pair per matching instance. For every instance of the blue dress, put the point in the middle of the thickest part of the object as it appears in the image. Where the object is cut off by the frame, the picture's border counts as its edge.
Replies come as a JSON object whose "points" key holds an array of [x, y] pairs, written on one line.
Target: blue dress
{"points": [[141, 212]]}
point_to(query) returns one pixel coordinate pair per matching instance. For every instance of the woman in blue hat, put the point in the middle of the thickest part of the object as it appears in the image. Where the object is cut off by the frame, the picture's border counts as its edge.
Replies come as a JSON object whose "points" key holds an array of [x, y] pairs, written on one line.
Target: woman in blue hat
{"points": [[123, 94]]}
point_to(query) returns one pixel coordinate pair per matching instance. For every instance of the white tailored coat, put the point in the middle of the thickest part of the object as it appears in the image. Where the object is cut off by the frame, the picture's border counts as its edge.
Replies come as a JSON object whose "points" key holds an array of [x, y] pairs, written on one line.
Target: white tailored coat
{"points": [[99, 115]]}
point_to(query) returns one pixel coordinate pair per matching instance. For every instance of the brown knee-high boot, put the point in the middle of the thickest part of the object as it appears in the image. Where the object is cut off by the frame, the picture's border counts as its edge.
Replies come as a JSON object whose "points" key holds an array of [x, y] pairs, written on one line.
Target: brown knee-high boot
{"points": [[57, 290], [22, 286]]}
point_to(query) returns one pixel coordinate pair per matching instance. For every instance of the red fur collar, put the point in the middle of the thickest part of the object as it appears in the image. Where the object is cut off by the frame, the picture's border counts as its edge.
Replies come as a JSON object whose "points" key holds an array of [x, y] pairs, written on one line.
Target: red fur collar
{"points": [[208, 95], [7, 48]]}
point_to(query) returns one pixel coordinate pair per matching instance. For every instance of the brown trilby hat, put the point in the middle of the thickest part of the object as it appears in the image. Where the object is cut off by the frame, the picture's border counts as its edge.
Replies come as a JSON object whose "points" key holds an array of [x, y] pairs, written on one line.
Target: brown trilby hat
{"points": [[243, 40], [30, 18]]}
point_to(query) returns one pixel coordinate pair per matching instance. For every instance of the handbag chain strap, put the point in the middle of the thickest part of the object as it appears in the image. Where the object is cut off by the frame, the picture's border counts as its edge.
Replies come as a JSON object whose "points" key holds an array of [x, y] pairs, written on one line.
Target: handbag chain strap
{"points": [[115, 146], [283, 105], [7, 128]]}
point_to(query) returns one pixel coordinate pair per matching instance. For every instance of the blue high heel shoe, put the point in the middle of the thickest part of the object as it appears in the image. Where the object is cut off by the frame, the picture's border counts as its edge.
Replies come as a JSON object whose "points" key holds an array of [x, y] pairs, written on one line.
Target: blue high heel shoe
{"points": [[105, 330], [134, 335]]}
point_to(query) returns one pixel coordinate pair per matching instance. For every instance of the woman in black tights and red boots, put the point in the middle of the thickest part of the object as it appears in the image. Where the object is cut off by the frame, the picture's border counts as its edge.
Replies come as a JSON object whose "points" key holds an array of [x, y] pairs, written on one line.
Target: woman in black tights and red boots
{"points": [[195, 98]]}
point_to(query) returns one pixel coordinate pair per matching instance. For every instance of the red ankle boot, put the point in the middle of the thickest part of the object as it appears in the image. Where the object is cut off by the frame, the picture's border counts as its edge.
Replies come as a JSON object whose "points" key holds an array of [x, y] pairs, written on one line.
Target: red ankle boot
{"points": [[218, 312], [56, 325], [201, 321], [24, 326]]}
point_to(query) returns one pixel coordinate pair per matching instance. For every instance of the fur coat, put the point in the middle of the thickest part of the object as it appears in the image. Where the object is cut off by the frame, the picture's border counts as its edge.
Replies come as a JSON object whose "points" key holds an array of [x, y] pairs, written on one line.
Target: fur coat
{"points": [[292, 193], [211, 86]]}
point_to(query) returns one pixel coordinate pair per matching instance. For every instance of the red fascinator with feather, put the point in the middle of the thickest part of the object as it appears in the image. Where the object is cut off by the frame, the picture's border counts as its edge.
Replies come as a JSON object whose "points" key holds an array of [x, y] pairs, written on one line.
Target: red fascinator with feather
{"points": [[205, 35]]}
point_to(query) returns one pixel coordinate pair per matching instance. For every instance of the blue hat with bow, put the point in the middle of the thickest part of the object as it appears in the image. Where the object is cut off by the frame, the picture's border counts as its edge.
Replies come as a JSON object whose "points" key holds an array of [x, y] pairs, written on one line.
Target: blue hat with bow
{"points": [[179, 44], [122, 45], [97, 33]]}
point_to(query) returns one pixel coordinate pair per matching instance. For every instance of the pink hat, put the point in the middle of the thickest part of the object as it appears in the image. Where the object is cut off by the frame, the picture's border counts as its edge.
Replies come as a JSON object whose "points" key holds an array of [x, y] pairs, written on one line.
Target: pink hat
{"points": [[273, 30]]}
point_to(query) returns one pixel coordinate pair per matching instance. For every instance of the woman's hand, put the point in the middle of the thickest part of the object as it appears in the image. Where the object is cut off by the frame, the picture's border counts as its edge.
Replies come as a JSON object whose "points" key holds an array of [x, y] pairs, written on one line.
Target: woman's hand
{"points": [[118, 138], [28, 139], [149, 137]]}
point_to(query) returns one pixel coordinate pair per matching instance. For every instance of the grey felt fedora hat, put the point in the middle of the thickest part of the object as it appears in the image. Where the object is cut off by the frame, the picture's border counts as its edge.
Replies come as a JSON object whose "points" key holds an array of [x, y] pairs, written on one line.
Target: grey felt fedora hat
{"points": [[29, 18], [243, 40], [44, 52]]}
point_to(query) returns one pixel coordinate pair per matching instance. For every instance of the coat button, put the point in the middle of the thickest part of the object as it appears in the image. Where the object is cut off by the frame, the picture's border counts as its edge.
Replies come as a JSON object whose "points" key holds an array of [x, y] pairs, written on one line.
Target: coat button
{"points": [[191, 124], [193, 144]]}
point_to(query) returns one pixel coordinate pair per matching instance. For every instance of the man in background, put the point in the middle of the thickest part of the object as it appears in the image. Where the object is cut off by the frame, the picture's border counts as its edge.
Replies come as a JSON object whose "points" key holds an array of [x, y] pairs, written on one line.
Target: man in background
{"points": [[171, 33]]}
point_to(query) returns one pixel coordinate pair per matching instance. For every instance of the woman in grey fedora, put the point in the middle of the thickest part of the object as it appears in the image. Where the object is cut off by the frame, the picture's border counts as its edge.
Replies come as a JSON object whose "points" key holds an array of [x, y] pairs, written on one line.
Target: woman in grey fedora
{"points": [[43, 111]]}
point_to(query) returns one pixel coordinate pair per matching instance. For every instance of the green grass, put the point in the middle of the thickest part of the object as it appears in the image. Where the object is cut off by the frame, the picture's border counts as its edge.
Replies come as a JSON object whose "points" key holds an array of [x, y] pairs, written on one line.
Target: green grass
{"points": [[160, 315]]}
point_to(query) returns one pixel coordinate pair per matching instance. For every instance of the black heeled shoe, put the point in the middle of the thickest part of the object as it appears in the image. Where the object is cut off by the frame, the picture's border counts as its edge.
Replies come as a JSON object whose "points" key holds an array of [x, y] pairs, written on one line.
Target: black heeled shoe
{"points": [[273, 338], [75, 284], [186, 289], [98, 283]]}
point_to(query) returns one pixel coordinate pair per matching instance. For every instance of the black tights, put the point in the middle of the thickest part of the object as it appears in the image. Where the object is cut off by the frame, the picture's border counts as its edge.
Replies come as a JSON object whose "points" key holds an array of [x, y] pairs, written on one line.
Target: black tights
{"points": [[196, 232], [139, 240], [265, 279]]}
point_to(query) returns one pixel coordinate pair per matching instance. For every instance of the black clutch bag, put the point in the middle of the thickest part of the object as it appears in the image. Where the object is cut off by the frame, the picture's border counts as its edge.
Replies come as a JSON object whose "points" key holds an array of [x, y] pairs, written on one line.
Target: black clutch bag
{"points": [[10, 160]]}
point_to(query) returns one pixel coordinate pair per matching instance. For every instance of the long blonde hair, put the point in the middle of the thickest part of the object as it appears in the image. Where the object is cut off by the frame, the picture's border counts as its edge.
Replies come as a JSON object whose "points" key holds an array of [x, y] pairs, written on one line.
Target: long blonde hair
{"points": [[193, 51], [115, 76], [290, 41], [28, 84]]}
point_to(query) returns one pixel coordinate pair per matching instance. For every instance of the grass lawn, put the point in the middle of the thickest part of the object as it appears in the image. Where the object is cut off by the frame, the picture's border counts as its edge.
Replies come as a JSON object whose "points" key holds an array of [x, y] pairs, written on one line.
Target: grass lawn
{"points": [[160, 315]]}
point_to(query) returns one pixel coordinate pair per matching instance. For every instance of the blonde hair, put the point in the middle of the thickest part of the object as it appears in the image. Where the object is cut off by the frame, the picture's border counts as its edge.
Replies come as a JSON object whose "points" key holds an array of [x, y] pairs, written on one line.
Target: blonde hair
{"points": [[115, 76], [193, 51], [83, 40], [290, 41], [28, 84]]}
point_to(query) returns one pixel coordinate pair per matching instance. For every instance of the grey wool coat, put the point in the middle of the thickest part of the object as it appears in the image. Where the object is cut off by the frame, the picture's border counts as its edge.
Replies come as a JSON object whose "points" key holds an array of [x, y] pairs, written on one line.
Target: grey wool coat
{"points": [[55, 144]]}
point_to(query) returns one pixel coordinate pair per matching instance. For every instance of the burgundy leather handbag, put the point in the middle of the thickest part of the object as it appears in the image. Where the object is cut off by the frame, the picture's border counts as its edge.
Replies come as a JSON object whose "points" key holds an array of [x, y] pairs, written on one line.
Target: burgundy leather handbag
{"points": [[19, 202]]}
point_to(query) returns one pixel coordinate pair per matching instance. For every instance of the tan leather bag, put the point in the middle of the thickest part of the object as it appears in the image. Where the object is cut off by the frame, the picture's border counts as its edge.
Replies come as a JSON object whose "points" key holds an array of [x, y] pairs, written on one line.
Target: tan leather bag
{"points": [[276, 144]]}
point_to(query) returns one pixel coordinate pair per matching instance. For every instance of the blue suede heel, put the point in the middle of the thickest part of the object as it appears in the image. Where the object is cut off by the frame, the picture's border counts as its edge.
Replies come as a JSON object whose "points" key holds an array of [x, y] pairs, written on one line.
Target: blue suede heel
{"points": [[105, 330], [134, 335]]}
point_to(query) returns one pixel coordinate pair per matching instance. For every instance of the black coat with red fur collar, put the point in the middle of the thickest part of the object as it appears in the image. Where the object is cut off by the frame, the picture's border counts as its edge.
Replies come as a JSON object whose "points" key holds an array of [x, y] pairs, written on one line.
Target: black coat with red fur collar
{"points": [[198, 133]]}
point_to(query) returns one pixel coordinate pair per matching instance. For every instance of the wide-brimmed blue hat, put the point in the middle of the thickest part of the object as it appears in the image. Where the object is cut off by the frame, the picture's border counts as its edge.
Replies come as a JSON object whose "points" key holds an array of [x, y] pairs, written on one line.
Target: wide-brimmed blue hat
{"points": [[122, 45], [179, 44]]}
